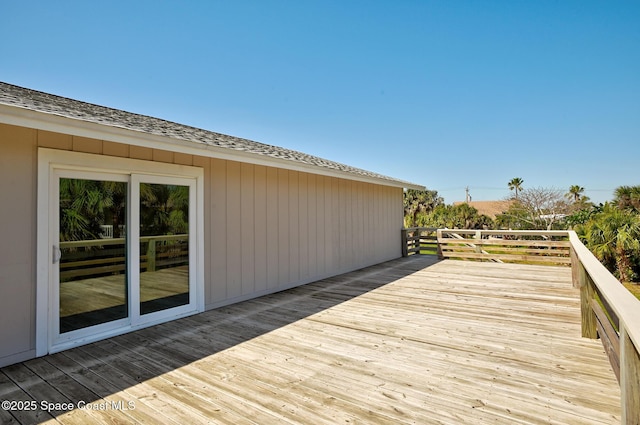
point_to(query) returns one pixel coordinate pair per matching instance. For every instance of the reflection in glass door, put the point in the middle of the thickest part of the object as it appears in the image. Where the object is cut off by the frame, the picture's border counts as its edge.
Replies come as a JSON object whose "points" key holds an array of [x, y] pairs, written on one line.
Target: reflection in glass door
{"points": [[164, 246], [118, 246], [93, 287]]}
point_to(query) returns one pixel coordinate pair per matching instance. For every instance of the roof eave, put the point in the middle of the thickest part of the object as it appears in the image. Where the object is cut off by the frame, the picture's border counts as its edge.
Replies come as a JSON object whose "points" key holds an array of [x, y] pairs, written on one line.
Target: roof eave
{"points": [[23, 117]]}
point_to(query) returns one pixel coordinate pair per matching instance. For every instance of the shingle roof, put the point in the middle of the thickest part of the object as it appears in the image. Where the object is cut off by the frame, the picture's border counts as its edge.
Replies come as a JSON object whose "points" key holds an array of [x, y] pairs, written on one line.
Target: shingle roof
{"points": [[69, 108]]}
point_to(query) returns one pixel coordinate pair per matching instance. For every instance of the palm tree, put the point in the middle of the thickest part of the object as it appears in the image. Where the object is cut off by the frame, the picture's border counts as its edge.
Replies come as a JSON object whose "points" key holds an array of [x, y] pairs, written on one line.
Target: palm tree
{"points": [[575, 193], [628, 197], [614, 237], [467, 217], [85, 205], [164, 209], [419, 202], [516, 184]]}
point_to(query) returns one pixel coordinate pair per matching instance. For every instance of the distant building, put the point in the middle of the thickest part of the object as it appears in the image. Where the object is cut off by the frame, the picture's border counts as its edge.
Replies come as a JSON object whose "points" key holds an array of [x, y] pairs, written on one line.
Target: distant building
{"points": [[489, 208]]}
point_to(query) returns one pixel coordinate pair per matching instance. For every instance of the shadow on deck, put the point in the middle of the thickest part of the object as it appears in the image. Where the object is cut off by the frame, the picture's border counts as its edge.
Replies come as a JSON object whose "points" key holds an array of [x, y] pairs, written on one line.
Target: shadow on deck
{"points": [[412, 340]]}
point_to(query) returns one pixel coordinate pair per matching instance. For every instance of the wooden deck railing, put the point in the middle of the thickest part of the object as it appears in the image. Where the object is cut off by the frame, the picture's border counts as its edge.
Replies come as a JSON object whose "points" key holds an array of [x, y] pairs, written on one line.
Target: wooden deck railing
{"points": [[419, 239], [518, 246], [609, 311], [83, 262]]}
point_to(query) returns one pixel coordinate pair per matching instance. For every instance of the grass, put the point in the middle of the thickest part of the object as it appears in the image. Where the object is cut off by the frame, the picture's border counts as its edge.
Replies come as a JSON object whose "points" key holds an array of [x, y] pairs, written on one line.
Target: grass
{"points": [[429, 248], [634, 288]]}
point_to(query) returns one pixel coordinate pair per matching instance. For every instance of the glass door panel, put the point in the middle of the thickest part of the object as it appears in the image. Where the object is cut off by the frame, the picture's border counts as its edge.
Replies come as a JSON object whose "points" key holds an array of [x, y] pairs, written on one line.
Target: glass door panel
{"points": [[164, 246], [93, 287]]}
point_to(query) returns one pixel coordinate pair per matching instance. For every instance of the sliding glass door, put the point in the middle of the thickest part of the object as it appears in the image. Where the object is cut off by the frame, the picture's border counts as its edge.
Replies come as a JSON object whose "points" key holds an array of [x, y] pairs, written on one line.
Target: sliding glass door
{"points": [[164, 245], [125, 254], [92, 268]]}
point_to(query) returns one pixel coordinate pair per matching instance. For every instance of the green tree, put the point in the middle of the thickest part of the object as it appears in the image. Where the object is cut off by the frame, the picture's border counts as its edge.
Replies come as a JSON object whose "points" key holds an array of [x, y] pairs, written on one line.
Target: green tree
{"points": [[418, 203], [461, 216], [516, 218], [516, 184], [579, 202], [164, 209], [628, 197], [614, 237], [85, 205], [583, 215], [575, 193]]}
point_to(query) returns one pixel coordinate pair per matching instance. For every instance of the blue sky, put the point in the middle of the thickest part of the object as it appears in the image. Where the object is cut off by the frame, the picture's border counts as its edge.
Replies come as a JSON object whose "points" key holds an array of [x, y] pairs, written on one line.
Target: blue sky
{"points": [[446, 94]]}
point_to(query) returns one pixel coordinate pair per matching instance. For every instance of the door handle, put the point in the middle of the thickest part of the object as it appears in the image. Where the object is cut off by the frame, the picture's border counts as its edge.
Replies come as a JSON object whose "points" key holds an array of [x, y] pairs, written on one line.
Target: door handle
{"points": [[57, 254]]}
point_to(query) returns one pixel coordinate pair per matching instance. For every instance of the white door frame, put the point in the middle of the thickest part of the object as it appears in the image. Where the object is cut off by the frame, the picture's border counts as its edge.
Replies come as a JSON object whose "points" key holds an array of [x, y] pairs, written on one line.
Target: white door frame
{"points": [[49, 162]]}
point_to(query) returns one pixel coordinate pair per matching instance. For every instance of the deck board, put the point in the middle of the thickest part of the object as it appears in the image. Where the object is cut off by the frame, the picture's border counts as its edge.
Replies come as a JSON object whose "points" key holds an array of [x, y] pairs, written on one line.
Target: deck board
{"points": [[411, 341]]}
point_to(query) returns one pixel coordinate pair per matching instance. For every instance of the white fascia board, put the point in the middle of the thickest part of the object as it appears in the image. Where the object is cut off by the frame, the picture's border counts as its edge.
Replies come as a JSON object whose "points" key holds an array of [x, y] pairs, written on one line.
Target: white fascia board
{"points": [[55, 123]]}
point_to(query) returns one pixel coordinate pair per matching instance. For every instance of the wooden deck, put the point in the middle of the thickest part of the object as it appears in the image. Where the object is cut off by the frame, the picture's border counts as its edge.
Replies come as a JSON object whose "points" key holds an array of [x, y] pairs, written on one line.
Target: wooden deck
{"points": [[411, 341]]}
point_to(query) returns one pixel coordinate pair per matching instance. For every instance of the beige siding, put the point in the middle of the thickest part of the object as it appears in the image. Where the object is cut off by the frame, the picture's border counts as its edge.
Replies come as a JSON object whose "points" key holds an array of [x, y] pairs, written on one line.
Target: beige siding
{"points": [[266, 229], [285, 228], [283, 247], [273, 256], [162, 156], [18, 251], [259, 214], [139, 152], [115, 149], [311, 226], [233, 241], [216, 288], [209, 264], [47, 139], [294, 228], [83, 144], [271, 229], [245, 233], [182, 158], [303, 226]]}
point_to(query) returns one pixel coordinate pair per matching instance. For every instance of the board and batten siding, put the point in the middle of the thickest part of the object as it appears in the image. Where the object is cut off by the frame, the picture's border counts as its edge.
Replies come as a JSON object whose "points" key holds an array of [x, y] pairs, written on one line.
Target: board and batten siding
{"points": [[266, 229], [271, 229], [18, 176]]}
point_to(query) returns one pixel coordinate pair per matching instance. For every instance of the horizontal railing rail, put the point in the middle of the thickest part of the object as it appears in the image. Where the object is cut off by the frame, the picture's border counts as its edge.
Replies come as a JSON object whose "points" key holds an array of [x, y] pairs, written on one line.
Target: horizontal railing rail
{"points": [[609, 311], [419, 239], [519, 246], [99, 257]]}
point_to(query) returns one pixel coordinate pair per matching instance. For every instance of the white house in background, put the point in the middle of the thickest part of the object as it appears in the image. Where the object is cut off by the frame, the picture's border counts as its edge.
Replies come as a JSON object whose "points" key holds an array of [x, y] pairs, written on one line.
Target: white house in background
{"points": [[204, 220]]}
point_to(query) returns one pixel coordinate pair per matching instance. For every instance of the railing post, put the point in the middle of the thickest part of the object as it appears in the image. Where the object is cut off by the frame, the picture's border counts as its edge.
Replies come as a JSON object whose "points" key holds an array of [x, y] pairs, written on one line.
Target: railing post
{"points": [[575, 267], [151, 255], [587, 293], [405, 248], [629, 379], [438, 237], [478, 238]]}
